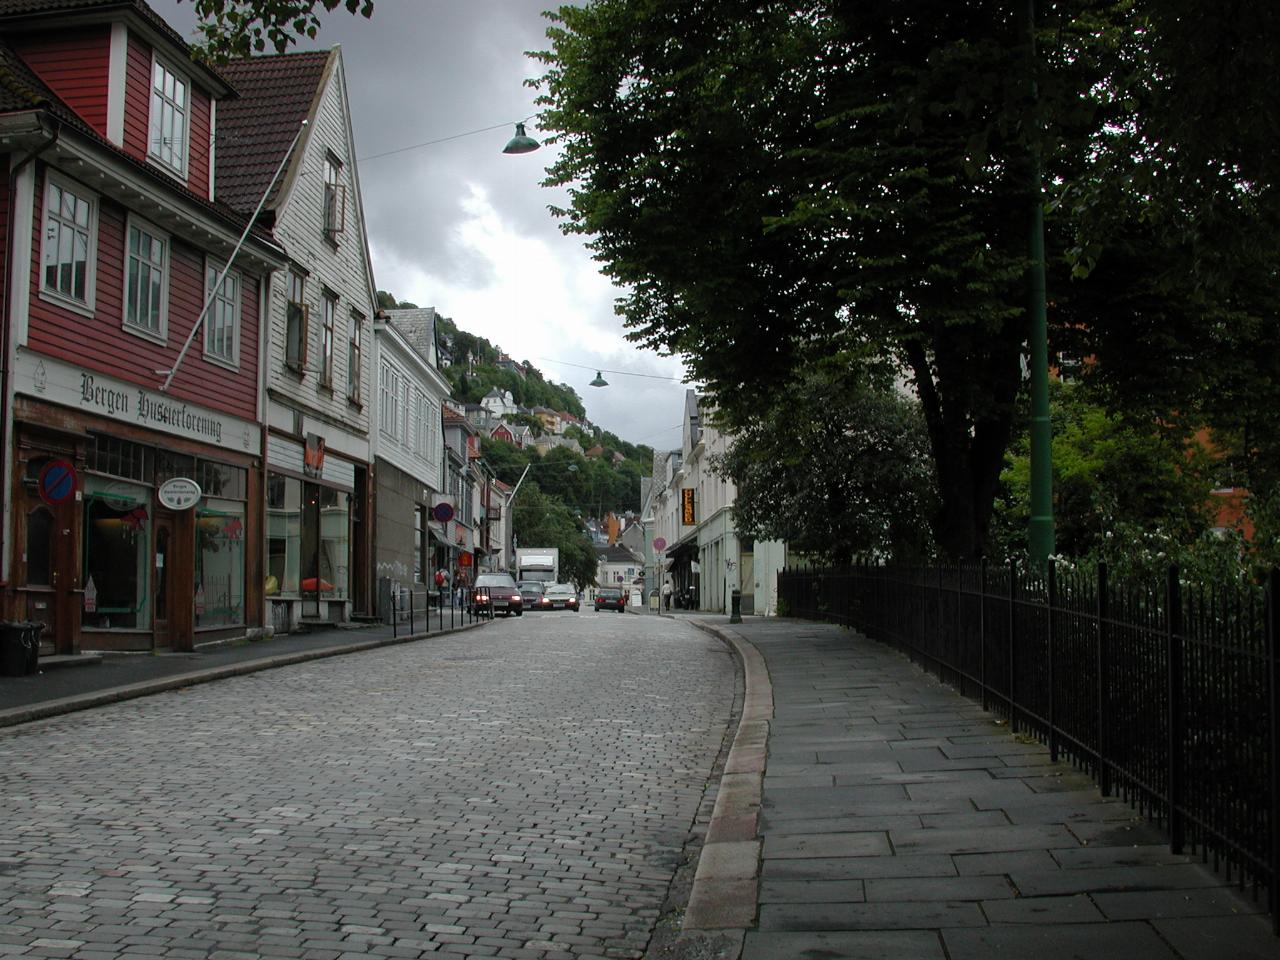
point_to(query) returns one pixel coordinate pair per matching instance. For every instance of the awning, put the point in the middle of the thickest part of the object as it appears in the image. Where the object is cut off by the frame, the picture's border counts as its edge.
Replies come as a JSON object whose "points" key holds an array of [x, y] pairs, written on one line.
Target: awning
{"points": [[685, 549]]}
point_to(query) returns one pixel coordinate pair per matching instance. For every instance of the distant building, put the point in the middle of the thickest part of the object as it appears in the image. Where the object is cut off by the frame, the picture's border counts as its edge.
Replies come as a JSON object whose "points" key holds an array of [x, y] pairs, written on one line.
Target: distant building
{"points": [[693, 539]]}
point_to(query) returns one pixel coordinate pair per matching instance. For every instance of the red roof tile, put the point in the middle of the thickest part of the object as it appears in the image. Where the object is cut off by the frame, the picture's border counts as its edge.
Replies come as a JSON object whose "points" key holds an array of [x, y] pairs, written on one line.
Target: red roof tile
{"points": [[255, 130]]}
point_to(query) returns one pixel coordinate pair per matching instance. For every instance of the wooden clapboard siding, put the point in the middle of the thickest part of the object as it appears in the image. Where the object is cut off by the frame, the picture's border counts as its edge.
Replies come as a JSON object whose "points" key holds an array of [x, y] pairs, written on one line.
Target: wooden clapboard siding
{"points": [[4, 208], [75, 64], [99, 342], [137, 96], [198, 379], [340, 268], [198, 162]]}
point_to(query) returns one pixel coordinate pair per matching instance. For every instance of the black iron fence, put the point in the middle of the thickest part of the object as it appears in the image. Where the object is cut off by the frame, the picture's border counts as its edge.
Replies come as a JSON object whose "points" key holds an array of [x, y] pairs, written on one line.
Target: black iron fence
{"points": [[424, 609], [1165, 692]]}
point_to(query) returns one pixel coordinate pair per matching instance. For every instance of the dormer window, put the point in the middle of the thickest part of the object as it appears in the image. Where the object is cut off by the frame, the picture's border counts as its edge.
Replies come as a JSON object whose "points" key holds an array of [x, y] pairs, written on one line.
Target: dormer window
{"points": [[170, 116]]}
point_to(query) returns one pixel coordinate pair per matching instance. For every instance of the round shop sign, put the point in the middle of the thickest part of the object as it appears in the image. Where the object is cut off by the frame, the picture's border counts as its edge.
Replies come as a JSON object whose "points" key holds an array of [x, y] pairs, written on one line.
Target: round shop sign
{"points": [[179, 493]]}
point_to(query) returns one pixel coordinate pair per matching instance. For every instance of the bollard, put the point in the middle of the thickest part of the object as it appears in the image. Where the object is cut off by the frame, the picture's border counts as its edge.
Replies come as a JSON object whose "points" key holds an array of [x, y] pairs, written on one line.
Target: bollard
{"points": [[735, 608]]}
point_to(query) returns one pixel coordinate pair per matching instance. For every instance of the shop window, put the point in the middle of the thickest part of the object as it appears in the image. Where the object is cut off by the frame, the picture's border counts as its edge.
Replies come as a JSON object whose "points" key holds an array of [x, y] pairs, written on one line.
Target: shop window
{"points": [[170, 465], [39, 547], [421, 540], [221, 480], [284, 534], [121, 458], [219, 581], [335, 538], [116, 549]]}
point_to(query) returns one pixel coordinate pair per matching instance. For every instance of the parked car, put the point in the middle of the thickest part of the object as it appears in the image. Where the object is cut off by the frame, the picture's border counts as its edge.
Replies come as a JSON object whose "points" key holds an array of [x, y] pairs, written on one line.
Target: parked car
{"points": [[496, 593], [534, 594], [562, 596], [611, 598]]}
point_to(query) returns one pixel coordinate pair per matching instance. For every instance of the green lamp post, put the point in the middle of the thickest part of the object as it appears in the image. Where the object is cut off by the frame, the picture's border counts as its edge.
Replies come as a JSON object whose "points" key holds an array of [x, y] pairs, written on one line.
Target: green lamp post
{"points": [[1040, 543]]}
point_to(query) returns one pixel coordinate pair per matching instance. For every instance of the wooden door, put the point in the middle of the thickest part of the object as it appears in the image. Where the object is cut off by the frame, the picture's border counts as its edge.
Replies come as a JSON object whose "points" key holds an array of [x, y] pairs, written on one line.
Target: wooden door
{"points": [[173, 594], [48, 569], [162, 597]]}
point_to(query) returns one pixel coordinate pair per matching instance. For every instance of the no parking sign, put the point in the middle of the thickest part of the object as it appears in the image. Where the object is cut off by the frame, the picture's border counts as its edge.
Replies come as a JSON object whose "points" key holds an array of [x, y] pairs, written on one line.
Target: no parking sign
{"points": [[58, 482]]}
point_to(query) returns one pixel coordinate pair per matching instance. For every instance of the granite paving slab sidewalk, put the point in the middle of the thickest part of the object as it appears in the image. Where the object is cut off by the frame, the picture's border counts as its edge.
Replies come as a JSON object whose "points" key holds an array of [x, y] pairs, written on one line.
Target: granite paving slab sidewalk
{"points": [[898, 820]]}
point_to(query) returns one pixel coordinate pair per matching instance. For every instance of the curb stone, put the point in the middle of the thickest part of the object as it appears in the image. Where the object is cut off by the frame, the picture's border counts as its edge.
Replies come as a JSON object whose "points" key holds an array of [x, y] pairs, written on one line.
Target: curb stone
{"points": [[723, 900]]}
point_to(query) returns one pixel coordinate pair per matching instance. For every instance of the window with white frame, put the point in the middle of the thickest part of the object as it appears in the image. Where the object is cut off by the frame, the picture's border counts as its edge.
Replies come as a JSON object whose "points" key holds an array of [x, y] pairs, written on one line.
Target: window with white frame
{"points": [[295, 321], [389, 411], [146, 280], [335, 198], [404, 433], [326, 339], [353, 358], [411, 418], [222, 322], [67, 255], [170, 109], [384, 398], [427, 415]]}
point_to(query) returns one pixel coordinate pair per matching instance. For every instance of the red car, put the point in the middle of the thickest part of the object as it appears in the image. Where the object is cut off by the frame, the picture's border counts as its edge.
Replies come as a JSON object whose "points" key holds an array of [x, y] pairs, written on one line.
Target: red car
{"points": [[611, 598], [496, 593]]}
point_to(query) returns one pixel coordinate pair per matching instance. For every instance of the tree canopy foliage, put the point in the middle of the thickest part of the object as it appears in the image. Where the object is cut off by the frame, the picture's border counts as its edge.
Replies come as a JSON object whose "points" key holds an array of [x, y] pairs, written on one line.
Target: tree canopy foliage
{"points": [[238, 28], [841, 471], [542, 521], [1109, 471], [798, 181]]}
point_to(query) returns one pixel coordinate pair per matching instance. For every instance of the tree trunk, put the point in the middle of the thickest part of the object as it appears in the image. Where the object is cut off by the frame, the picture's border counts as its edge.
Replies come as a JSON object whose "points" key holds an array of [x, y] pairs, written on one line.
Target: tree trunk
{"points": [[969, 421]]}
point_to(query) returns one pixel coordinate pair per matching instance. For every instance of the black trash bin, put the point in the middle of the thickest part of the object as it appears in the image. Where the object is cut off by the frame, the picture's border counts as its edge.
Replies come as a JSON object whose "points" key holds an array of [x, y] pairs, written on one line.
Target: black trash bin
{"points": [[19, 647]]}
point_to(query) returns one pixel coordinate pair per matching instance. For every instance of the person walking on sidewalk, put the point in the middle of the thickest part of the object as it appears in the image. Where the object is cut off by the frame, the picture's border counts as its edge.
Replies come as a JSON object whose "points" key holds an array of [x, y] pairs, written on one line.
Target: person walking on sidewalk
{"points": [[666, 594]]}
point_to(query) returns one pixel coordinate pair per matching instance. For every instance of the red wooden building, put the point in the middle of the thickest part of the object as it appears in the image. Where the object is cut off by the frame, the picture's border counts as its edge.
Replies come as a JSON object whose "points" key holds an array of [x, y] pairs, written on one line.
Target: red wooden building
{"points": [[131, 339]]}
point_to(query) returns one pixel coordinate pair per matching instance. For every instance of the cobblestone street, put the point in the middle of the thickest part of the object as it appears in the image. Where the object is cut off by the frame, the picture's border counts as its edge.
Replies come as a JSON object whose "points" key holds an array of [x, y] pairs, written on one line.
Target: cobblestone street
{"points": [[523, 791]]}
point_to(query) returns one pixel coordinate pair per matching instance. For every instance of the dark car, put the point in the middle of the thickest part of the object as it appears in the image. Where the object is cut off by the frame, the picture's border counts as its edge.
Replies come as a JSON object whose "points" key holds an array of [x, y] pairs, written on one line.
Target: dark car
{"points": [[496, 593], [562, 596], [610, 598], [534, 594]]}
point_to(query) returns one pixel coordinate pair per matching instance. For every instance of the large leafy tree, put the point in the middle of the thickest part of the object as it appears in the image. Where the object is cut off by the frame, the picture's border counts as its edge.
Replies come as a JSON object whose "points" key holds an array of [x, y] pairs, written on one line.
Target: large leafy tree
{"points": [[238, 28], [792, 181], [810, 178]]}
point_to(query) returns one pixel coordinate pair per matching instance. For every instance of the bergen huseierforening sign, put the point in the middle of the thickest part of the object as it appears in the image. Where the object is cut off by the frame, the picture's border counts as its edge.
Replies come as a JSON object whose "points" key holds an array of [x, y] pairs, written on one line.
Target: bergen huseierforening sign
{"points": [[98, 393]]}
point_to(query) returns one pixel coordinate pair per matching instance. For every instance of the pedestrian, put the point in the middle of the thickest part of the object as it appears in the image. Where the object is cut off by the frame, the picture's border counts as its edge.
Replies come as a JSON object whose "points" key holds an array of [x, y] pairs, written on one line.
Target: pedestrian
{"points": [[666, 594]]}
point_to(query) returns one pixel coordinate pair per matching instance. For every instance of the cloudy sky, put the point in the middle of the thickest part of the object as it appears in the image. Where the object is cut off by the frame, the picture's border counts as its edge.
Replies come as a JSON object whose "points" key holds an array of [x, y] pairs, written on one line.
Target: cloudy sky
{"points": [[461, 227]]}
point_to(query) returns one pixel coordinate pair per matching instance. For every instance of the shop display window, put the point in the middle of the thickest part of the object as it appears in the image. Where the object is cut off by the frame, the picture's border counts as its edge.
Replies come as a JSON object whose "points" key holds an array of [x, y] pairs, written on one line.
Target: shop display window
{"points": [[335, 538], [219, 581], [284, 535], [116, 550]]}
